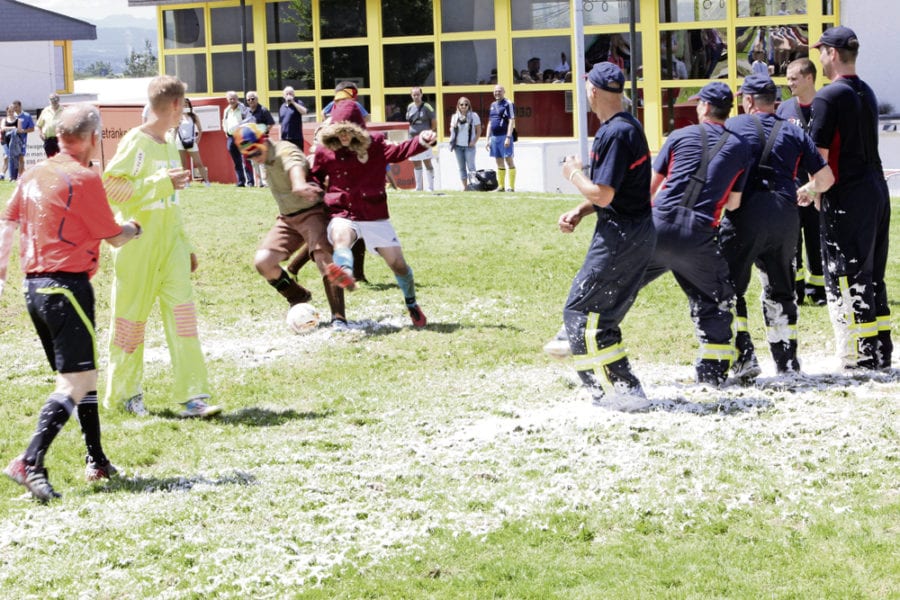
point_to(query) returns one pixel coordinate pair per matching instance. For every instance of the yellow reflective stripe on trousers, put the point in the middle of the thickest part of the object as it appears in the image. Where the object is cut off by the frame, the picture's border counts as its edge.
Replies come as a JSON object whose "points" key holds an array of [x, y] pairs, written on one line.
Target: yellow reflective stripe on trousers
{"points": [[601, 358], [818, 280], [740, 324], [84, 318], [597, 358], [884, 322], [801, 274], [866, 330], [717, 352]]}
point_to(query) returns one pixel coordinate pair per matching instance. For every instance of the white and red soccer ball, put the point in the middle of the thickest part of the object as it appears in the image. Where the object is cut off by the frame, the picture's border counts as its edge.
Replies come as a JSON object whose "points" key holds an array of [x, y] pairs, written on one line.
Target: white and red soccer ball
{"points": [[303, 318]]}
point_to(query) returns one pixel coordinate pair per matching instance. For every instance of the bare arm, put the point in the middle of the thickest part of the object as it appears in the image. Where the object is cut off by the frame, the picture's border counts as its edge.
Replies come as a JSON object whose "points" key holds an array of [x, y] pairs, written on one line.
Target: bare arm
{"points": [[568, 221], [130, 231], [7, 233], [595, 193]]}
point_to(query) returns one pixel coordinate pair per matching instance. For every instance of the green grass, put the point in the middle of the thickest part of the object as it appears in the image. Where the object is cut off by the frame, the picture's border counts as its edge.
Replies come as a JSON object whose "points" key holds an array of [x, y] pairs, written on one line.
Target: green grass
{"points": [[456, 461]]}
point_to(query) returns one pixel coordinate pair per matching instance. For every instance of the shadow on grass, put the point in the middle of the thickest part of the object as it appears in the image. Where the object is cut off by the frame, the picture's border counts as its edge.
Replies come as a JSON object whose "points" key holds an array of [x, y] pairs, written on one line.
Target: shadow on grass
{"points": [[804, 382], [151, 485], [255, 416]]}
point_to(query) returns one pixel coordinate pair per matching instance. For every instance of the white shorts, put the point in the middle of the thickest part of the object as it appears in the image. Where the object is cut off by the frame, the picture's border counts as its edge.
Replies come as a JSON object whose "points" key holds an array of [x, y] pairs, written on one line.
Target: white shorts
{"points": [[375, 234], [424, 155]]}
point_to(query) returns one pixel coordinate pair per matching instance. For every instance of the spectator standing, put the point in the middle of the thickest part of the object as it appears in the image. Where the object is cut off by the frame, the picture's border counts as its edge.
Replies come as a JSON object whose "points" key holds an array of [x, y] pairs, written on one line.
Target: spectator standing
{"points": [[763, 231], [421, 117], [704, 168], [263, 118], [501, 123], [856, 212], [801, 79], [12, 144], [465, 131], [187, 139], [26, 126], [563, 67], [63, 215], [290, 118], [618, 192], [346, 90], [232, 117], [46, 125], [142, 181]]}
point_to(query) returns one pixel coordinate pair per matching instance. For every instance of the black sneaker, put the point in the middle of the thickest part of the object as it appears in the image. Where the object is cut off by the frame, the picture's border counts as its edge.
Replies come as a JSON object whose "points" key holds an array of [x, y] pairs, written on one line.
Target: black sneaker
{"points": [[33, 478]]}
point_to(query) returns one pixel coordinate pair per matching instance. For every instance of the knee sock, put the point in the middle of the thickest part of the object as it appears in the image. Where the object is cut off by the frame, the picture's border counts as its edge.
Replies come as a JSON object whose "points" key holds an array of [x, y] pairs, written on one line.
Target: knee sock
{"points": [[418, 174], [89, 419], [429, 180], [512, 178], [501, 178], [407, 286], [52, 418], [290, 289], [343, 257], [335, 296]]}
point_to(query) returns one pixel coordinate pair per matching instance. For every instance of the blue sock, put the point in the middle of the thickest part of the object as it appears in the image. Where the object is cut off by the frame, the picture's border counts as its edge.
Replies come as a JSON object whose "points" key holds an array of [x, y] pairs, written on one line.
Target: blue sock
{"points": [[343, 257], [407, 286]]}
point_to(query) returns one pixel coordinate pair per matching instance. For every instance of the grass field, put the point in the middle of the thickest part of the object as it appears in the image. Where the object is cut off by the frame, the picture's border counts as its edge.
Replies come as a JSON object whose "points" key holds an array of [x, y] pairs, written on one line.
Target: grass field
{"points": [[456, 461]]}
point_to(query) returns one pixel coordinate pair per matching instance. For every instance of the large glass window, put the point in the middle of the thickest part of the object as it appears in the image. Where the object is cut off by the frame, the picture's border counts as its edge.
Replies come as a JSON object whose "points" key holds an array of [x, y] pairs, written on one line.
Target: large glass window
{"points": [[228, 71], [350, 63], [770, 48], [532, 57], [408, 64], [183, 28], [703, 52], [289, 21], [225, 25], [540, 14], [406, 17], [609, 13], [467, 15], [615, 48], [342, 18], [769, 8], [473, 62], [291, 68], [687, 11], [191, 69]]}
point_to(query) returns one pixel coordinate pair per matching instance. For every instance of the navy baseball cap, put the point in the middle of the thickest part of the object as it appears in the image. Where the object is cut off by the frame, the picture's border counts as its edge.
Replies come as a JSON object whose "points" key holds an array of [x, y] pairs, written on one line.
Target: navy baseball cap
{"points": [[757, 84], [607, 76], [716, 93], [838, 37]]}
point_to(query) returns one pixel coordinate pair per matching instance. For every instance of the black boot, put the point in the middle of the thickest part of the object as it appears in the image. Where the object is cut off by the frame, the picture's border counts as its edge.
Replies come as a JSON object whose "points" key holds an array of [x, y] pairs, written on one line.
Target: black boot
{"points": [[785, 356]]}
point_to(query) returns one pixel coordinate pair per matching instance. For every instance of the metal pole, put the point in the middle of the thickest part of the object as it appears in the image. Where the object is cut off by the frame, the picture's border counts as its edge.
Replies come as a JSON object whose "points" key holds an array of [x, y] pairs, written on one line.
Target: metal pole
{"points": [[578, 68], [243, 48], [632, 33]]}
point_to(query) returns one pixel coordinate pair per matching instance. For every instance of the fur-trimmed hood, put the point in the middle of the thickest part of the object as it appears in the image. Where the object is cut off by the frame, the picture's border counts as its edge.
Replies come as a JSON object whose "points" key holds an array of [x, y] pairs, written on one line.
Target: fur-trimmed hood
{"points": [[359, 144]]}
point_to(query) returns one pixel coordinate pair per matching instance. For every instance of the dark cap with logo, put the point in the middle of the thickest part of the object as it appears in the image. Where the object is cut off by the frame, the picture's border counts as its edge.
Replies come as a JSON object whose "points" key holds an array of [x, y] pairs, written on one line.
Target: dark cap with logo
{"points": [[607, 76], [757, 84], [717, 94], [838, 37]]}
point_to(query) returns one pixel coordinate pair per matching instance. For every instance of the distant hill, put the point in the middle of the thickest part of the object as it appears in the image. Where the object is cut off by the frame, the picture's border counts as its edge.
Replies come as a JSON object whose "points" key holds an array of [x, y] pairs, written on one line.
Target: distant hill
{"points": [[117, 36]]}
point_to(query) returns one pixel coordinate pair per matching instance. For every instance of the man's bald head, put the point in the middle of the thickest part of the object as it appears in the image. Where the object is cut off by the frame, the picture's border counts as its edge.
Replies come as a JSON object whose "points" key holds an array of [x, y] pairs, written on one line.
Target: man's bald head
{"points": [[78, 122]]}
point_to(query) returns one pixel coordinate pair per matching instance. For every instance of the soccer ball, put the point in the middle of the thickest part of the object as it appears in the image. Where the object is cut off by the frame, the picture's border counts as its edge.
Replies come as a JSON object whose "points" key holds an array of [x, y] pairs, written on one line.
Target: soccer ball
{"points": [[303, 318]]}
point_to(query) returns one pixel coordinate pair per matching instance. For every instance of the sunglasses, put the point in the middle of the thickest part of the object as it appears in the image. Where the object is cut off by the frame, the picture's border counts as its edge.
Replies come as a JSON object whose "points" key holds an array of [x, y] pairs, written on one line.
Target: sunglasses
{"points": [[463, 103]]}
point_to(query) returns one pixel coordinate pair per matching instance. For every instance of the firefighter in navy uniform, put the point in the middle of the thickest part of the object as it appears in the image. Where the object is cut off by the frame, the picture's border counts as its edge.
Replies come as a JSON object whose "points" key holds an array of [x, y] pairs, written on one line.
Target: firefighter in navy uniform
{"points": [[856, 212], [618, 191], [763, 231], [704, 168], [801, 78]]}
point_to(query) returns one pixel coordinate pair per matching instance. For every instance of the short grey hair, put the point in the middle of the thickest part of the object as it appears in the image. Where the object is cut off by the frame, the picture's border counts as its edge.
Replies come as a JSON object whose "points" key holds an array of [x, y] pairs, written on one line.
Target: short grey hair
{"points": [[78, 121]]}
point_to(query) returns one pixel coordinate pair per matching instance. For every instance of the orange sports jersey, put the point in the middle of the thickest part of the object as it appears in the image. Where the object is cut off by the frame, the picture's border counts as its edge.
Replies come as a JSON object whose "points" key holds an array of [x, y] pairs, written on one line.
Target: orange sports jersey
{"points": [[62, 212]]}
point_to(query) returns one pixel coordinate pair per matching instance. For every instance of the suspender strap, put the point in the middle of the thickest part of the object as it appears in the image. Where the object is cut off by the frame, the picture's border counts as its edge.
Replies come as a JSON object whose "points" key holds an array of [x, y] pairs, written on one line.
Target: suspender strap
{"points": [[766, 172], [698, 179], [801, 118]]}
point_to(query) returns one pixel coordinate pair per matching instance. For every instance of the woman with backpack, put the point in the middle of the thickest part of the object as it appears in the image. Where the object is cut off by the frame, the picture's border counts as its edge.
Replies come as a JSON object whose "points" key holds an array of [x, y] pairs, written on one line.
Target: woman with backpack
{"points": [[187, 138]]}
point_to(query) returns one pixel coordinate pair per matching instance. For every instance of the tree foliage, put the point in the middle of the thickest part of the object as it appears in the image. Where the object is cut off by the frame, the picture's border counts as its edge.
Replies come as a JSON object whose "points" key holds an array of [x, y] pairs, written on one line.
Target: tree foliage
{"points": [[98, 68], [142, 64]]}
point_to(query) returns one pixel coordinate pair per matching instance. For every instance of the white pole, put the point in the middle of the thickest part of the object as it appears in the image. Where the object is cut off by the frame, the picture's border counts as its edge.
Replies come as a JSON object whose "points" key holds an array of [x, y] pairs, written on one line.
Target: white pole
{"points": [[578, 69]]}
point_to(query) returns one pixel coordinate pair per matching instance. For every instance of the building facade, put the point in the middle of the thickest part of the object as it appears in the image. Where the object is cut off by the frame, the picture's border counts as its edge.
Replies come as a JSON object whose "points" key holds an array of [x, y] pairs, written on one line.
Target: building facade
{"points": [[463, 47]]}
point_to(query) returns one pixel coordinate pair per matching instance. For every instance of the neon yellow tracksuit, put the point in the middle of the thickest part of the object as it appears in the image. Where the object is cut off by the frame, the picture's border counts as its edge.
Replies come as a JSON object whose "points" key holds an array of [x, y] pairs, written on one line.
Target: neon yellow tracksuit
{"points": [[155, 266]]}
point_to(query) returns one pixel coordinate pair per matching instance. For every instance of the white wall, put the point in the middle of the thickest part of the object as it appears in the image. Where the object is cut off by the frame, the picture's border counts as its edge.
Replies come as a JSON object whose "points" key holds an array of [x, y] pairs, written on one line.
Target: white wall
{"points": [[28, 73], [877, 23]]}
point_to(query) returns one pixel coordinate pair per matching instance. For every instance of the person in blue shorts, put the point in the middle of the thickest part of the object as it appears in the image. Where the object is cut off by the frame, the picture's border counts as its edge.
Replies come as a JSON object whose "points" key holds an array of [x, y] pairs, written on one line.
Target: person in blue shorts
{"points": [[856, 212], [617, 190], [763, 231], [501, 124]]}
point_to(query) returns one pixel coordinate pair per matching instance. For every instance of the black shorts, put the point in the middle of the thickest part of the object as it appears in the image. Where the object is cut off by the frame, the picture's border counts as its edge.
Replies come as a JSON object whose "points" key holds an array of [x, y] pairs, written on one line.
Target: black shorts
{"points": [[62, 310]]}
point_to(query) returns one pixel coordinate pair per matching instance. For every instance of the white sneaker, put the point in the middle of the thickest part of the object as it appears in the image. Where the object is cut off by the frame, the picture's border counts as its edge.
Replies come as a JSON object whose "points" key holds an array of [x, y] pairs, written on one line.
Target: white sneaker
{"points": [[135, 405], [197, 407], [559, 347]]}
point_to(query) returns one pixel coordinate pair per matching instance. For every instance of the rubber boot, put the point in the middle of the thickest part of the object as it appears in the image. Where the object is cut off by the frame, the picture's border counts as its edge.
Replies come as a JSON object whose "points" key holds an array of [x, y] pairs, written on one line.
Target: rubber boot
{"points": [[885, 349], [712, 372], [785, 356], [623, 379]]}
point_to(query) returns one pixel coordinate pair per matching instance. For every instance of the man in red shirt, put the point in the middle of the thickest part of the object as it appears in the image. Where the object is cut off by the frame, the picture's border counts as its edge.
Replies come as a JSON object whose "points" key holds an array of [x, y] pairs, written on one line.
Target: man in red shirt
{"points": [[61, 209]]}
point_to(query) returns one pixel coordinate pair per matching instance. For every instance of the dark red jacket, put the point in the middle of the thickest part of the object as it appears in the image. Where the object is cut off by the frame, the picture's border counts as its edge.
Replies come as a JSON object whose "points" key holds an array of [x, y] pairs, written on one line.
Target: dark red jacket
{"points": [[355, 189]]}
